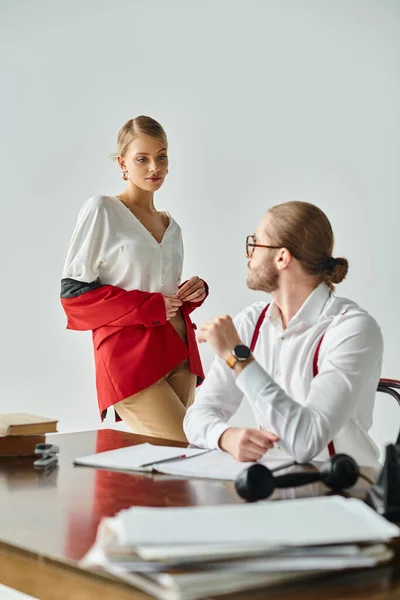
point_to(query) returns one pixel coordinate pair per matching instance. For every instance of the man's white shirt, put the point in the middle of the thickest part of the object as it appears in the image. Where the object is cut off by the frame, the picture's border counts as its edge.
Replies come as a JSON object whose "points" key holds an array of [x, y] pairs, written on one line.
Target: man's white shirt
{"points": [[306, 412]]}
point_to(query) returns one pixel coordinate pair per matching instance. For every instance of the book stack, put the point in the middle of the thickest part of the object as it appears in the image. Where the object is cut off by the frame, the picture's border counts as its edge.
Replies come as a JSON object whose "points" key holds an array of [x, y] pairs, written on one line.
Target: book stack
{"points": [[194, 552], [20, 432]]}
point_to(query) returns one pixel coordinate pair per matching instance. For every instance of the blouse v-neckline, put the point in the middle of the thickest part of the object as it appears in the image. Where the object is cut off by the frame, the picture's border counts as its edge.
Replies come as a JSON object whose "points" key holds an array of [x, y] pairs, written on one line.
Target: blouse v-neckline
{"points": [[143, 227]]}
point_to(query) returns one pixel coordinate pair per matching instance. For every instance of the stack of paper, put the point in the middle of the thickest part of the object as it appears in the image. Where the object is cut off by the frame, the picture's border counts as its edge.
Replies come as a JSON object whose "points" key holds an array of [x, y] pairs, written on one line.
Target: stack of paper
{"points": [[190, 553]]}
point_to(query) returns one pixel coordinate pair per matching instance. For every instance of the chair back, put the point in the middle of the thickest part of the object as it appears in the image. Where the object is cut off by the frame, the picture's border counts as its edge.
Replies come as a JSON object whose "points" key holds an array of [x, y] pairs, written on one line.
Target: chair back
{"points": [[390, 386]]}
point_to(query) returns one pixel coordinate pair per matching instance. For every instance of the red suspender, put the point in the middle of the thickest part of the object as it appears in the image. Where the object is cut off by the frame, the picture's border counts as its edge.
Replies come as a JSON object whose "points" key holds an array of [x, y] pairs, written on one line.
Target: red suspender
{"points": [[257, 328], [331, 447], [316, 355]]}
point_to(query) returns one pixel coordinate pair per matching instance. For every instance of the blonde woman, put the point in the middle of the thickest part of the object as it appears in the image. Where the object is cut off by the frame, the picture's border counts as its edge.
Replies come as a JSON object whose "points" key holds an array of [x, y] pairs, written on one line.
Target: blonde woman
{"points": [[122, 280]]}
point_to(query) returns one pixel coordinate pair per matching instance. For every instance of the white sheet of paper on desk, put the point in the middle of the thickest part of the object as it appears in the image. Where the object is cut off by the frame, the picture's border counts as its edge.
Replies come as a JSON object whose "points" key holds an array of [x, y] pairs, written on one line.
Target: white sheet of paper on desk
{"points": [[130, 458], [265, 565], [201, 552], [217, 465], [201, 463], [308, 521]]}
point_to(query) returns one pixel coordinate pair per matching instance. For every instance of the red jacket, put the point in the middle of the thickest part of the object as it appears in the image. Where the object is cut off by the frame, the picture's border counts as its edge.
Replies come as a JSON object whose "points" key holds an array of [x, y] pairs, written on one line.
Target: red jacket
{"points": [[134, 344]]}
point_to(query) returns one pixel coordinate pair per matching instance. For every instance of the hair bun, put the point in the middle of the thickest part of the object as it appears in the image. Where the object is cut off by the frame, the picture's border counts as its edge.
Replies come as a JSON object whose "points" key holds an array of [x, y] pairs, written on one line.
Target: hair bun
{"points": [[337, 269], [330, 264]]}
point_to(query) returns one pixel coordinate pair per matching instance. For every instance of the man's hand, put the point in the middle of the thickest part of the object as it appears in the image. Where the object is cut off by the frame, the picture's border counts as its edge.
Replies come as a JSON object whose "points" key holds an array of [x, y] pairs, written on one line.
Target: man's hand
{"points": [[193, 290], [172, 305], [247, 445], [221, 334]]}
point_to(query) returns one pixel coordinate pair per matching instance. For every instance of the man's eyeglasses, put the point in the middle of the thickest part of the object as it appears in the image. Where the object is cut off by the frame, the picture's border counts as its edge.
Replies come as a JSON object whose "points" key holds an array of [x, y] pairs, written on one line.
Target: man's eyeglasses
{"points": [[251, 244]]}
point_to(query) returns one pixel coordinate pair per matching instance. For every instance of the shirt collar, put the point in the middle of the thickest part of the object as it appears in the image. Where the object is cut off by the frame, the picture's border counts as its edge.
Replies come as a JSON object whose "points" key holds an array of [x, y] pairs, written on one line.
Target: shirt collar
{"points": [[310, 310]]}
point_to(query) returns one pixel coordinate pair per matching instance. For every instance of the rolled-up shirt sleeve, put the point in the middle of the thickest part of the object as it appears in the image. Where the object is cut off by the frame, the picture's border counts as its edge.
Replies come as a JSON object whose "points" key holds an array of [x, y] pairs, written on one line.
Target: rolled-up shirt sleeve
{"points": [[350, 361]]}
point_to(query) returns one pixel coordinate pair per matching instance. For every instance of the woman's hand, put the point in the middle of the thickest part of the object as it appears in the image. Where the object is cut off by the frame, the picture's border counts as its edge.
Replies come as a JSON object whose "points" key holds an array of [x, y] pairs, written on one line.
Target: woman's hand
{"points": [[193, 290], [172, 305]]}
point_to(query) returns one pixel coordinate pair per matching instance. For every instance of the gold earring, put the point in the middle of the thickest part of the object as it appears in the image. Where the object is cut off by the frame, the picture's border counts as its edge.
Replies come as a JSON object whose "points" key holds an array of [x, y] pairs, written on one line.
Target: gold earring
{"points": [[125, 175]]}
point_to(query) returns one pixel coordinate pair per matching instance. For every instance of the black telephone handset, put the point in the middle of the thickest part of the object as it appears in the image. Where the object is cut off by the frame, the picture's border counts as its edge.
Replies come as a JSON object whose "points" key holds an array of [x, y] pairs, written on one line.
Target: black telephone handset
{"points": [[257, 482], [339, 473]]}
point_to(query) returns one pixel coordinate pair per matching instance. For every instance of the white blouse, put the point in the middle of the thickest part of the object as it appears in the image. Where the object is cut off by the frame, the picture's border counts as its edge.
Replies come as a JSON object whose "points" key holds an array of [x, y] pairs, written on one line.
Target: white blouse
{"points": [[111, 244]]}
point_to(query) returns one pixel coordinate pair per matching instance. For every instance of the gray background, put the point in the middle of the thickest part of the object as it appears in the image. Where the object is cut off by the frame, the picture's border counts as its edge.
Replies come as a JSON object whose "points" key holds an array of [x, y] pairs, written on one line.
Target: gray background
{"points": [[263, 102]]}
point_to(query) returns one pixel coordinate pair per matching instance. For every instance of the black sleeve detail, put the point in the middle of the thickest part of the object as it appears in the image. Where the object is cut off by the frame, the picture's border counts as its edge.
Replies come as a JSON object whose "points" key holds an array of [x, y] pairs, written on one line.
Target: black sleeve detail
{"points": [[71, 288]]}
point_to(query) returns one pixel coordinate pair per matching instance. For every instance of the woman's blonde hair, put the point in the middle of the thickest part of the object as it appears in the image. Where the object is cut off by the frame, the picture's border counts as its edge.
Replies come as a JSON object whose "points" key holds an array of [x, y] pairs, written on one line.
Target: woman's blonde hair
{"points": [[306, 232], [141, 125]]}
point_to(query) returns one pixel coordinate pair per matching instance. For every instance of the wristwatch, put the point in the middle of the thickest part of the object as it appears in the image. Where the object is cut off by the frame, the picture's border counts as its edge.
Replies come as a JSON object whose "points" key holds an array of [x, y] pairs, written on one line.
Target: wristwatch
{"points": [[240, 353]]}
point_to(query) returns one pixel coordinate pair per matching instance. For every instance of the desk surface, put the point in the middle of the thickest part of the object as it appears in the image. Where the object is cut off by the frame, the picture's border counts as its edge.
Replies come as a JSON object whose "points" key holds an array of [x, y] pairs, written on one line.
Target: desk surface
{"points": [[49, 519]]}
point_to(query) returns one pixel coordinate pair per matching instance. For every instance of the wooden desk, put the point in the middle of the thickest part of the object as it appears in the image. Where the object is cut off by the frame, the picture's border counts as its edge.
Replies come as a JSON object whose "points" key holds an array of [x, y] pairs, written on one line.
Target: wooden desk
{"points": [[48, 521]]}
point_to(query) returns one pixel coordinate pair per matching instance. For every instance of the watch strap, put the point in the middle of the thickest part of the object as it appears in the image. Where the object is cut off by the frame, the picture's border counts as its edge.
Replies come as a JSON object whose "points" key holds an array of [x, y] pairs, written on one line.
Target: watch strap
{"points": [[231, 361]]}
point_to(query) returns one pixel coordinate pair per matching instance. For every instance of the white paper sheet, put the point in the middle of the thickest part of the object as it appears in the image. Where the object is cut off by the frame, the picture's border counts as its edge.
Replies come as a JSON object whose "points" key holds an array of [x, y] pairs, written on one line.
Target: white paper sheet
{"points": [[200, 463], [131, 458], [200, 552], [218, 465], [325, 520]]}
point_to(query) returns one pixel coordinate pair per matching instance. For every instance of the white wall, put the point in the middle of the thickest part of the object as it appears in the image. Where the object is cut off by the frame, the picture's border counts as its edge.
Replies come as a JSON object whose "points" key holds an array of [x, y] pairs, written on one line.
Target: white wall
{"points": [[263, 101]]}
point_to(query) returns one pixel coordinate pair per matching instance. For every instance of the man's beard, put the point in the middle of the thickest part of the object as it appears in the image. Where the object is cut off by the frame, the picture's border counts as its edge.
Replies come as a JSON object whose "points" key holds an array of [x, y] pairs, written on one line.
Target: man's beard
{"points": [[265, 279]]}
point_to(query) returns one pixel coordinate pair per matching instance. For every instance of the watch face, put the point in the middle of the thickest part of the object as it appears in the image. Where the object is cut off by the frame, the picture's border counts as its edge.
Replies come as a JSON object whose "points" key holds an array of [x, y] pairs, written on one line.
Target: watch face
{"points": [[241, 352]]}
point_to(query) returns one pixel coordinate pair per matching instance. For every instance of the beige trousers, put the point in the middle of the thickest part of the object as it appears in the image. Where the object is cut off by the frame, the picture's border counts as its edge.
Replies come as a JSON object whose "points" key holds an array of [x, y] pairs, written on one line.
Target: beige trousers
{"points": [[159, 410]]}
